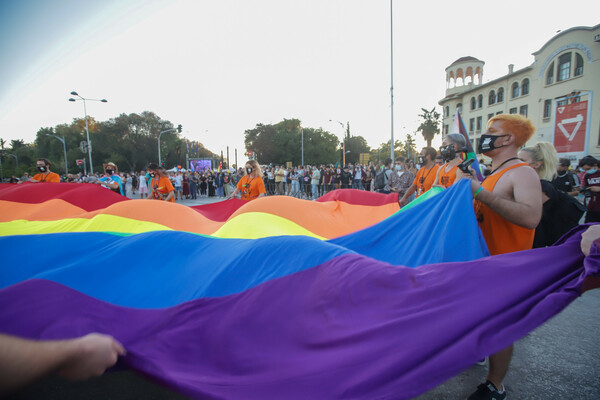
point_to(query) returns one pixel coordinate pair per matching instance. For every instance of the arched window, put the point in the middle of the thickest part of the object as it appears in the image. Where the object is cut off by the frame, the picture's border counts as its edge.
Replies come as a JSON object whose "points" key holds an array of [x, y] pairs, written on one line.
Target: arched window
{"points": [[515, 90], [525, 87], [480, 101], [473, 103], [459, 107], [550, 75], [500, 95], [578, 64], [564, 67], [492, 98]]}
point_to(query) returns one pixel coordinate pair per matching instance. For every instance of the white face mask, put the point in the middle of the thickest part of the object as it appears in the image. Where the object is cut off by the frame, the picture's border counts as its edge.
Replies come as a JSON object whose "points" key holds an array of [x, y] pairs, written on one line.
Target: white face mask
{"points": [[398, 167]]}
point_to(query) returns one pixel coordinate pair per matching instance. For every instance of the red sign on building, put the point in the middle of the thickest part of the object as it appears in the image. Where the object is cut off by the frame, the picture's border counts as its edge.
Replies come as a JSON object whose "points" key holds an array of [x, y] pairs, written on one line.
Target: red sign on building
{"points": [[570, 127]]}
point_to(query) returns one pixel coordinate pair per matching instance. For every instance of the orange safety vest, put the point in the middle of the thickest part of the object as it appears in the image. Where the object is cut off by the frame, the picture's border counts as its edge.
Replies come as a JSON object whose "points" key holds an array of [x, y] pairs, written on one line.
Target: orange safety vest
{"points": [[500, 235]]}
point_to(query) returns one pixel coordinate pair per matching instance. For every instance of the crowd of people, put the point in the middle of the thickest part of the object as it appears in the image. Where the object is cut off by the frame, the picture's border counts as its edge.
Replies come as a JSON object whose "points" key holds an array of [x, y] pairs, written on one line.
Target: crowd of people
{"points": [[529, 196]]}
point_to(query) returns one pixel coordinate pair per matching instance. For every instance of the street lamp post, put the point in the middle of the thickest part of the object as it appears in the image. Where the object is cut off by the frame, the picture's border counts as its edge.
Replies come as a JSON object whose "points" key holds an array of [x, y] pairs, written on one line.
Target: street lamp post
{"points": [[89, 144], [302, 132], [391, 81], [159, 135], [16, 159], [62, 139], [343, 142]]}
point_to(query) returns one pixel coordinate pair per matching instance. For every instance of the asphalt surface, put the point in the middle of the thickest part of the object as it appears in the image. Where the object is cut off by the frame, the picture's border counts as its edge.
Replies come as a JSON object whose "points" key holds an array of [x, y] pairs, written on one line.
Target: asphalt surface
{"points": [[559, 360]]}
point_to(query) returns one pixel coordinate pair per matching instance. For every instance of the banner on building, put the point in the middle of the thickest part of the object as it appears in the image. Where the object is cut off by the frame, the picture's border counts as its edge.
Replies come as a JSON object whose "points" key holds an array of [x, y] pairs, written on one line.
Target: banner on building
{"points": [[570, 127]]}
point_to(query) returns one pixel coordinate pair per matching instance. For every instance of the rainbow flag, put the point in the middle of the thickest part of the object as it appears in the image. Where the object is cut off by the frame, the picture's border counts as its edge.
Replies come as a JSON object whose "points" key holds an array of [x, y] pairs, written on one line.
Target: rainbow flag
{"points": [[387, 306], [459, 127]]}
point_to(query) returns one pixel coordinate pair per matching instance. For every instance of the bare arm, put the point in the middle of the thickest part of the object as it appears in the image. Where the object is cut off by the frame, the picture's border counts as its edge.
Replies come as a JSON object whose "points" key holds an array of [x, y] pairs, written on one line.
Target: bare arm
{"points": [[24, 361], [407, 195], [588, 238], [235, 192], [526, 208]]}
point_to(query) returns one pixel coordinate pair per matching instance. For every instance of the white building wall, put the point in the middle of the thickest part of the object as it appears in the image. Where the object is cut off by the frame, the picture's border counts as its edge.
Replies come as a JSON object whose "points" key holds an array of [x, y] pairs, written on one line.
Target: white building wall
{"points": [[584, 41]]}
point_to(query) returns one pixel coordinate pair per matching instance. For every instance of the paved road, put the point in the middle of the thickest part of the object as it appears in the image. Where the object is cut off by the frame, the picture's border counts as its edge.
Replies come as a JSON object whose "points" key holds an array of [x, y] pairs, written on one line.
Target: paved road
{"points": [[559, 360], [189, 202]]}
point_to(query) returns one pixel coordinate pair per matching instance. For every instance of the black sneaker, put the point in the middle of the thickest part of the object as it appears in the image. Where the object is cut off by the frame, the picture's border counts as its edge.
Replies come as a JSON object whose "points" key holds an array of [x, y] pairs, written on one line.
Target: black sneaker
{"points": [[487, 391]]}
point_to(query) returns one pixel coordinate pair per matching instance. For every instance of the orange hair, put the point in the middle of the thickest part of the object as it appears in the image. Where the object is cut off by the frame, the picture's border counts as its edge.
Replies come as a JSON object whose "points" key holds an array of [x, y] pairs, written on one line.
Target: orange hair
{"points": [[517, 125]]}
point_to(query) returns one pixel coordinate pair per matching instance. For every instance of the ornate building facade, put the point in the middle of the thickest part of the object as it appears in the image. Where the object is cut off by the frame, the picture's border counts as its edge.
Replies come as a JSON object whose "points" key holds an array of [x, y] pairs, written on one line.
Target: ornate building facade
{"points": [[558, 93]]}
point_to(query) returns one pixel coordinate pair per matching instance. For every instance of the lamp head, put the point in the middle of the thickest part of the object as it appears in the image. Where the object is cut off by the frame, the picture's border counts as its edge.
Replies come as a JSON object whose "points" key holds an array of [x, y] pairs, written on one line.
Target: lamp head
{"points": [[72, 99], [104, 101], [74, 93]]}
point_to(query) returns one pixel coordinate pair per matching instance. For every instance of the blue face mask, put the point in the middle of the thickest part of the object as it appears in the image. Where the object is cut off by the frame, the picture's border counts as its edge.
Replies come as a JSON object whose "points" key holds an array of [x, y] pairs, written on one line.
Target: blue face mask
{"points": [[592, 171], [398, 167]]}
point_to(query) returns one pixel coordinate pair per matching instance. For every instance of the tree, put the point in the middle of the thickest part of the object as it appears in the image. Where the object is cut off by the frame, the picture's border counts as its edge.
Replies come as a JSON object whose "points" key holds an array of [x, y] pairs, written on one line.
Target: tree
{"points": [[130, 141], [382, 152], [410, 147], [356, 145], [430, 125], [282, 142]]}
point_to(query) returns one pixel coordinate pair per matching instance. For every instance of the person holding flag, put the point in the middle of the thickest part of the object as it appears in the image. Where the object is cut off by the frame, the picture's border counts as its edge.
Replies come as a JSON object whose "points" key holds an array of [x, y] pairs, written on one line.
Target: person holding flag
{"points": [[161, 187], [452, 149], [251, 185], [425, 176], [111, 179], [459, 127]]}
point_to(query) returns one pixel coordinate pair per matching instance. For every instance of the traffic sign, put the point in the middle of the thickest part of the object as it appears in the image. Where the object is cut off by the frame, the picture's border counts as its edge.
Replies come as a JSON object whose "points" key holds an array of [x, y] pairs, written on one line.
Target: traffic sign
{"points": [[79, 162], [83, 146]]}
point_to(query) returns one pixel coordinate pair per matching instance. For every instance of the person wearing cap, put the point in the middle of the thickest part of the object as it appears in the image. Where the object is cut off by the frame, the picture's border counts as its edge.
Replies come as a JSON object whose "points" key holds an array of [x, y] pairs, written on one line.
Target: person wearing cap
{"points": [[111, 180], [45, 175], [564, 180]]}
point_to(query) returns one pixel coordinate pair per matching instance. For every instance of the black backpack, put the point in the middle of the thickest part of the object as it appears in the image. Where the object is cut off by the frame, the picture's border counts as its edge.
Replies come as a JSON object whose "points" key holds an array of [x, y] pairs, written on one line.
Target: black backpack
{"points": [[380, 180]]}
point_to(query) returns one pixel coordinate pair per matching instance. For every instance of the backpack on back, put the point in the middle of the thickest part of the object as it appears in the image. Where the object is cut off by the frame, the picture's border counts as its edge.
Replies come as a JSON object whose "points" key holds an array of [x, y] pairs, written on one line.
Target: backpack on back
{"points": [[380, 180]]}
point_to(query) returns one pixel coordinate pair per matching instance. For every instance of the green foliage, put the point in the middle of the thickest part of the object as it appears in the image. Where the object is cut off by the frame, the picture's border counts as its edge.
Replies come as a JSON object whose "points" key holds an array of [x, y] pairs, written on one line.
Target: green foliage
{"points": [[130, 141], [430, 125], [410, 147], [383, 151], [282, 142]]}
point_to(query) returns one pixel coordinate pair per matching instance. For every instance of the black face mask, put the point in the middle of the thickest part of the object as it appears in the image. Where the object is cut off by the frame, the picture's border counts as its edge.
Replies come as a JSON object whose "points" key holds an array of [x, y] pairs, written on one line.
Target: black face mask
{"points": [[41, 169], [448, 153], [487, 143], [109, 172], [248, 171]]}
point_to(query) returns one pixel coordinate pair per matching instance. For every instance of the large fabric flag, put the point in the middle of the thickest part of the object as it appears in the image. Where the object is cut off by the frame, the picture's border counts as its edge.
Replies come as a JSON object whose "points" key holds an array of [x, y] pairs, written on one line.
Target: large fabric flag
{"points": [[459, 127], [286, 316]]}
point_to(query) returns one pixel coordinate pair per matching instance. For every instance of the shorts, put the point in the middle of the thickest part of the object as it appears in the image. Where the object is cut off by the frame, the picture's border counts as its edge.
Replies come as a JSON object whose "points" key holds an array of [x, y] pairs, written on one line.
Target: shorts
{"points": [[143, 189], [178, 188]]}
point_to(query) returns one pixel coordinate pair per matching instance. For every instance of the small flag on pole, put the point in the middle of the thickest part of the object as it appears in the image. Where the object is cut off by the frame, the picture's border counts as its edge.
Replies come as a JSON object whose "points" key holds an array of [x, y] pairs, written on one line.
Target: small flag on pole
{"points": [[459, 127]]}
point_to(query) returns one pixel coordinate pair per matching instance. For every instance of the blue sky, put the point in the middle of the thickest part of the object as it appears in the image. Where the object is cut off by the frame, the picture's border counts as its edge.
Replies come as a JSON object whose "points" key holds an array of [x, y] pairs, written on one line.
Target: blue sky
{"points": [[220, 67]]}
